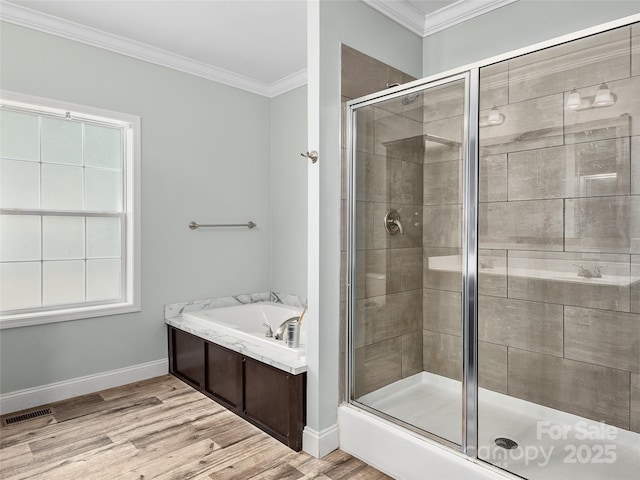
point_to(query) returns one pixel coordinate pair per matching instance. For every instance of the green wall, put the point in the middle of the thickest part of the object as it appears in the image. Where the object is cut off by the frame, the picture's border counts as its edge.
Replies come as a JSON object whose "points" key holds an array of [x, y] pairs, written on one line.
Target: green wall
{"points": [[289, 192], [205, 157]]}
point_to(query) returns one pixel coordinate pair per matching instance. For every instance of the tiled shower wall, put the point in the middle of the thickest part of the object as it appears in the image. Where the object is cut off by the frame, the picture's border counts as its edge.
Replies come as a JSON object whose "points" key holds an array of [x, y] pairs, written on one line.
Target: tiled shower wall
{"points": [[559, 191], [388, 344]]}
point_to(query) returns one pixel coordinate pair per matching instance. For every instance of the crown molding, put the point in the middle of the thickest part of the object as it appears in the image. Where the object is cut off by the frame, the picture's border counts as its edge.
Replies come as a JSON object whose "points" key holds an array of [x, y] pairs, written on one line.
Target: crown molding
{"points": [[423, 25], [45, 23], [295, 80], [401, 12], [459, 12]]}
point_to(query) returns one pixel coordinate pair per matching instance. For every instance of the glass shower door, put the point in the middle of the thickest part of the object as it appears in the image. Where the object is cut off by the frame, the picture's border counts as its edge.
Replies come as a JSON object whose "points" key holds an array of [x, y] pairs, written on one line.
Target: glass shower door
{"points": [[406, 224], [559, 304]]}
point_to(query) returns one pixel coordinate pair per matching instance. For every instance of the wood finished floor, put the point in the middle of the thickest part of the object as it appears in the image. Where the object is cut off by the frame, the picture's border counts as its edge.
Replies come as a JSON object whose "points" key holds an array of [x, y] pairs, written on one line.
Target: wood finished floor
{"points": [[156, 429]]}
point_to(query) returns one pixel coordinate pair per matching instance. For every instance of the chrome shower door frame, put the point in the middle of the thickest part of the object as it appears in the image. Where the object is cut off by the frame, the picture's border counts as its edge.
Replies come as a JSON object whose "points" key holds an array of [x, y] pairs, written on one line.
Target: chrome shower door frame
{"points": [[469, 248]]}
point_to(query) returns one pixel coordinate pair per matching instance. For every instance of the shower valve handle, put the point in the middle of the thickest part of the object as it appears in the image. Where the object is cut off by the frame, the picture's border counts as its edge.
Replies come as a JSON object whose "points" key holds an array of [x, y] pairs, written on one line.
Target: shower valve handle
{"points": [[392, 223]]}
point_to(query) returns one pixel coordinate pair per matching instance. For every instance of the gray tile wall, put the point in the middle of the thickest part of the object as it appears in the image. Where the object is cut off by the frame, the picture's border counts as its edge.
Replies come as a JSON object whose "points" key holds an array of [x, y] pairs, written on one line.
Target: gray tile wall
{"points": [[389, 172], [581, 388], [442, 233], [560, 191]]}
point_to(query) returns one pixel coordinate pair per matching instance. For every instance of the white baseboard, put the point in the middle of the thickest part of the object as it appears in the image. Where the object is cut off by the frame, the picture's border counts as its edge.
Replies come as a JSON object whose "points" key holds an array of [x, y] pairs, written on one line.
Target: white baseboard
{"points": [[54, 392], [320, 443]]}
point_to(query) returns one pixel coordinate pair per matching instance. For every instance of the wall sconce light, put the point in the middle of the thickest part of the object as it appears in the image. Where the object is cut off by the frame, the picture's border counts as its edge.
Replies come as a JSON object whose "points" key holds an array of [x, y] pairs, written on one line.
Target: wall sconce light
{"points": [[494, 118], [575, 100], [603, 98]]}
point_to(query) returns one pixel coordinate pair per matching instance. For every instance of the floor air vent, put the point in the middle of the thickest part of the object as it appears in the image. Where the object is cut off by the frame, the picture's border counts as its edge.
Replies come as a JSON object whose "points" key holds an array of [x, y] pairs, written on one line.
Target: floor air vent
{"points": [[27, 416]]}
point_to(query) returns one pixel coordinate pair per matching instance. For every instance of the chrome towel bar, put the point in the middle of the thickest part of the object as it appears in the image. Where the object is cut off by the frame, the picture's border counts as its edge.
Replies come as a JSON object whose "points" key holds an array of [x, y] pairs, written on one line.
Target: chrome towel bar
{"points": [[194, 225]]}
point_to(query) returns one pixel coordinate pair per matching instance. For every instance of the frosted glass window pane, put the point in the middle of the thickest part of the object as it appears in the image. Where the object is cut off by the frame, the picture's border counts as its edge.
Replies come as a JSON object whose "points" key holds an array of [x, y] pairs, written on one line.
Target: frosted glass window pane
{"points": [[19, 136], [63, 238], [103, 279], [103, 147], [103, 190], [103, 237], [19, 238], [62, 282], [61, 141], [61, 187], [19, 184], [19, 285]]}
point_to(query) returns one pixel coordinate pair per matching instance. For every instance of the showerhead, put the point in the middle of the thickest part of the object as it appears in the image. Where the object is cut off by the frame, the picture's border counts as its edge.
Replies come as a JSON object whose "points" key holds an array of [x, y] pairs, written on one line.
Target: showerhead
{"points": [[410, 98], [407, 99]]}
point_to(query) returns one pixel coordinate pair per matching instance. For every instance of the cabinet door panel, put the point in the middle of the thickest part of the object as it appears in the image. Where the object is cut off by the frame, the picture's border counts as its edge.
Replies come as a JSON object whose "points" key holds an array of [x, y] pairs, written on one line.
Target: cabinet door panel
{"points": [[267, 396], [224, 376], [188, 360]]}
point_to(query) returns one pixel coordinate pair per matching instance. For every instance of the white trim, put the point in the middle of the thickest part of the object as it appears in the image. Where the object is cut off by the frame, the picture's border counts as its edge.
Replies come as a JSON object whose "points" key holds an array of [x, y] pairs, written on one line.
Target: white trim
{"points": [[295, 80], [423, 25], [54, 392], [26, 17], [459, 12], [401, 12], [55, 316], [320, 443]]}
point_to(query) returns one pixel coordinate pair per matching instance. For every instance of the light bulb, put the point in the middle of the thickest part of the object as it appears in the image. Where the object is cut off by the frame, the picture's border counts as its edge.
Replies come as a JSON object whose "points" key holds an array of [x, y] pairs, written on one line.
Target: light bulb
{"points": [[494, 116], [603, 95], [575, 100]]}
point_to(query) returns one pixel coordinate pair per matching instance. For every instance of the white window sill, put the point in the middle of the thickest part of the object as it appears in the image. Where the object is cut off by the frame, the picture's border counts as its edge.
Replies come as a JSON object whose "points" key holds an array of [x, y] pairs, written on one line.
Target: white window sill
{"points": [[40, 318]]}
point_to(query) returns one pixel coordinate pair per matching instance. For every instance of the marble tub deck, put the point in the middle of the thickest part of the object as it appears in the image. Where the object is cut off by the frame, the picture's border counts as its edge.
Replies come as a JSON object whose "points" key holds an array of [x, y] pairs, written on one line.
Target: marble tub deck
{"points": [[294, 364]]}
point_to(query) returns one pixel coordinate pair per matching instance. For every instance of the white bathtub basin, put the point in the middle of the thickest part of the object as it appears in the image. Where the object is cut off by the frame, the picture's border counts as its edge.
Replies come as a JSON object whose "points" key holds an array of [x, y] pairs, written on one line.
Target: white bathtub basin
{"points": [[244, 323]]}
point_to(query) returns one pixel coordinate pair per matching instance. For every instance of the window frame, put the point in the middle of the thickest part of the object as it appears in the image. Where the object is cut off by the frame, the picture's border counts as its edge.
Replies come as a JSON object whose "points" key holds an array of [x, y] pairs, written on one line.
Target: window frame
{"points": [[131, 214]]}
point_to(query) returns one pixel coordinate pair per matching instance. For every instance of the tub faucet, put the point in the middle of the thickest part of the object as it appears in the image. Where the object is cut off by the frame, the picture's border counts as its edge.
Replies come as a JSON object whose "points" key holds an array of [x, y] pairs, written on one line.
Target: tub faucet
{"points": [[269, 332], [586, 273], [596, 271], [283, 326]]}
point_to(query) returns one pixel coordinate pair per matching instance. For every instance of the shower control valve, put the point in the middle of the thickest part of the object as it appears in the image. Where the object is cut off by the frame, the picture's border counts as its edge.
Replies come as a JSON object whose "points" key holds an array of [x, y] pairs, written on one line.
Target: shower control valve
{"points": [[392, 223]]}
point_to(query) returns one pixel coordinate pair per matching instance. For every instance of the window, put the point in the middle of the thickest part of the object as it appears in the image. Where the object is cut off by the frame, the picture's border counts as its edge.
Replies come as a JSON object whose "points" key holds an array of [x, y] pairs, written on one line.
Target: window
{"points": [[69, 211]]}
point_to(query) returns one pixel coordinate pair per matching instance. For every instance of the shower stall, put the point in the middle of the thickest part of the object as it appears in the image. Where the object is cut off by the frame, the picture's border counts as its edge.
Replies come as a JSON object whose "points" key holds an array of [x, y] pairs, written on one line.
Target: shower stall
{"points": [[493, 258]]}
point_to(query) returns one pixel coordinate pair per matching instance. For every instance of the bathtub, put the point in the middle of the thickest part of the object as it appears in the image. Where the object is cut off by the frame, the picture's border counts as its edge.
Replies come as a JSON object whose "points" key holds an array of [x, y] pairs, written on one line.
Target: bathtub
{"points": [[240, 328]]}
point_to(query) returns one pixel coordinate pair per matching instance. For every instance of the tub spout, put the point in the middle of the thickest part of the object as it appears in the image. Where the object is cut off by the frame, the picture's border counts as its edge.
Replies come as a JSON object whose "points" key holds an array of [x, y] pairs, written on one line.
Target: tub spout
{"points": [[279, 335]]}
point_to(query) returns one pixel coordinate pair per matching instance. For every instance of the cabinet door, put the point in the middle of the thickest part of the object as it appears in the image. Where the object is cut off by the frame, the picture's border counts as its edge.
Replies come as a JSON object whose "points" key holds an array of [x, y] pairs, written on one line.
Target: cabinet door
{"points": [[188, 357], [224, 376], [275, 400]]}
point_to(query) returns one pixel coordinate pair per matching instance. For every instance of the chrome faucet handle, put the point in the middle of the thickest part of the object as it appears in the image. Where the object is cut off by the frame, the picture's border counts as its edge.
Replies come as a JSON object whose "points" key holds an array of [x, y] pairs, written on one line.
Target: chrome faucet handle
{"points": [[392, 223], [269, 332], [398, 223], [597, 273]]}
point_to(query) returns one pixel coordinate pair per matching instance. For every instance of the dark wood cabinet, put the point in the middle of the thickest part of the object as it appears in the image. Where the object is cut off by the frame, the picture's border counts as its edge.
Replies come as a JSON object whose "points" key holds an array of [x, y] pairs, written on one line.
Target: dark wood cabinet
{"points": [[271, 399], [188, 357], [224, 376], [275, 399]]}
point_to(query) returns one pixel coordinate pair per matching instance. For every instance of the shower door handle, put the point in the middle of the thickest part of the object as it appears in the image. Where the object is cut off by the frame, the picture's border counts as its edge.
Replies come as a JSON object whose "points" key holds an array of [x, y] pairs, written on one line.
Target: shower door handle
{"points": [[392, 222]]}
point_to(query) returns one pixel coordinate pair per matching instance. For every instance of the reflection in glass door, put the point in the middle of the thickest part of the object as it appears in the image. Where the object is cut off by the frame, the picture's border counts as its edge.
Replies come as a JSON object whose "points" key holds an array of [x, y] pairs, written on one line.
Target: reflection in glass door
{"points": [[407, 316], [559, 222]]}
